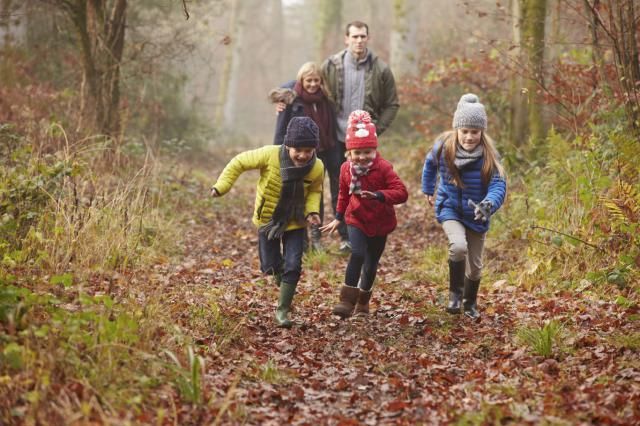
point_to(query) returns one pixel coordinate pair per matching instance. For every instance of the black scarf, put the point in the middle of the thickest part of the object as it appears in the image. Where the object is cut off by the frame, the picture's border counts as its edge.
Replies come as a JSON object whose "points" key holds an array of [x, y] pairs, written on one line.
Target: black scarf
{"points": [[291, 203]]}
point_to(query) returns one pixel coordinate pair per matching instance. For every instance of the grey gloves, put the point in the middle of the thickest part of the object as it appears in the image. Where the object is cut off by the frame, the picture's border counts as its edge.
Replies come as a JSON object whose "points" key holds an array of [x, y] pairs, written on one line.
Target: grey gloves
{"points": [[482, 210]]}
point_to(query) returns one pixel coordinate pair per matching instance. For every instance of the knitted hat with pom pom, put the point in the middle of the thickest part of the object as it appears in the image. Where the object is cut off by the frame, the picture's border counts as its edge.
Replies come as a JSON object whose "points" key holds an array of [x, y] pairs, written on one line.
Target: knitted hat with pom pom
{"points": [[470, 113], [361, 132]]}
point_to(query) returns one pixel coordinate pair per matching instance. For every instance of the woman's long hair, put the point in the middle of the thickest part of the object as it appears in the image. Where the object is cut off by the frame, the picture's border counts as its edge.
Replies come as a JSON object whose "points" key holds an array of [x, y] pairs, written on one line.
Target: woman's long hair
{"points": [[491, 163], [313, 68]]}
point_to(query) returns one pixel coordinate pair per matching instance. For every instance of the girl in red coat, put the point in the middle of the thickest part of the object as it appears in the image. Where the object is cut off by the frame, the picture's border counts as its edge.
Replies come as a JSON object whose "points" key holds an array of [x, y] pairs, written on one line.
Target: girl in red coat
{"points": [[369, 187]]}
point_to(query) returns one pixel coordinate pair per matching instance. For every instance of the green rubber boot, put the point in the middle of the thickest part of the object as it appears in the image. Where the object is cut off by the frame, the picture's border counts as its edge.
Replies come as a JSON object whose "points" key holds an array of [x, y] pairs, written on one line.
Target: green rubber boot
{"points": [[284, 304]]}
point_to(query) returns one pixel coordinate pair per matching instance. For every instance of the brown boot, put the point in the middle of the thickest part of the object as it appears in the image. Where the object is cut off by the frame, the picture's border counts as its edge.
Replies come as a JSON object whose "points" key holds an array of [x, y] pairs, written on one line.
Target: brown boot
{"points": [[348, 298], [362, 307]]}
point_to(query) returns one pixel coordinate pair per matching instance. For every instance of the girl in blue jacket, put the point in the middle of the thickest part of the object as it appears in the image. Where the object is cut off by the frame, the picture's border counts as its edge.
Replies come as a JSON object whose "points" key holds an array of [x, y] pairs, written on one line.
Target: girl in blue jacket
{"points": [[471, 188]]}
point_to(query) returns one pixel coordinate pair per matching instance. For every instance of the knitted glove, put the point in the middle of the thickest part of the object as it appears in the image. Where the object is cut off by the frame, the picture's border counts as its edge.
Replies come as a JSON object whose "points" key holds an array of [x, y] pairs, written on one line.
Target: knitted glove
{"points": [[482, 210]]}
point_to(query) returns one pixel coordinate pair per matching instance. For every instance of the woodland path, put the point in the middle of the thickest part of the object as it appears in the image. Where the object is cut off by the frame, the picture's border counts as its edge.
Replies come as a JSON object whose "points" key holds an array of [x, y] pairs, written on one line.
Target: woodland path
{"points": [[408, 362]]}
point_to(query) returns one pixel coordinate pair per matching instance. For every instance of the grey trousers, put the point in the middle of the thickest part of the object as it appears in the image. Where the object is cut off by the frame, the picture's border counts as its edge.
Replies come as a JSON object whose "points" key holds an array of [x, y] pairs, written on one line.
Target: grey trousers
{"points": [[465, 244]]}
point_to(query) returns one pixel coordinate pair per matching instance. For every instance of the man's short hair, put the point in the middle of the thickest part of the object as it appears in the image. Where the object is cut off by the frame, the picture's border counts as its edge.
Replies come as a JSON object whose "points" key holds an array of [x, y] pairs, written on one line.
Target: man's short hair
{"points": [[357, 24]]}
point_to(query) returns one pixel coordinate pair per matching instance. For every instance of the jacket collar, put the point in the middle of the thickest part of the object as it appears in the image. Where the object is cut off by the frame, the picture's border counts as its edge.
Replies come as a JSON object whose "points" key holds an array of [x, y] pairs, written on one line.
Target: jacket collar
{"points": [[338, 58]]}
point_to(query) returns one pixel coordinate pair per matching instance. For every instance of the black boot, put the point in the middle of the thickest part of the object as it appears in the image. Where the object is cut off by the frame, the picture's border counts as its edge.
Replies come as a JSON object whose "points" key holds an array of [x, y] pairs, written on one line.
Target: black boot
{"points": [[470, 298], [456, 282]]}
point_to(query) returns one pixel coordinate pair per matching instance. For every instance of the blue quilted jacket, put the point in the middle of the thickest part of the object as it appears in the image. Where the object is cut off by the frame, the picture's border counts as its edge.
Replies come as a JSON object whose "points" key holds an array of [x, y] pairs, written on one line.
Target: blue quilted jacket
{"points": [[452, 202]]}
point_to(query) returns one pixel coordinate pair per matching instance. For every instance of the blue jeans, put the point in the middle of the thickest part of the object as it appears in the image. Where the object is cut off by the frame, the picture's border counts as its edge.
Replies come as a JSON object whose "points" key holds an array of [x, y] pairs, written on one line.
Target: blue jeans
{"points": [[271, 252], [365, 255]]}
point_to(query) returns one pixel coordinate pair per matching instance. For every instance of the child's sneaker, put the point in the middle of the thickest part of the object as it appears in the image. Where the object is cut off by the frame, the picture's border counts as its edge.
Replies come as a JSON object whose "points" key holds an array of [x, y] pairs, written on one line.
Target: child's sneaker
{"points": [[345, 246]]}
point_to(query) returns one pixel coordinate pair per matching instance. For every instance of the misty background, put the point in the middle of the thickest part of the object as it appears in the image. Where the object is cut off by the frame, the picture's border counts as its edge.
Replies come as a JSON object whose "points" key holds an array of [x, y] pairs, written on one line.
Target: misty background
{"points": [[263, 43], [201, 70]]}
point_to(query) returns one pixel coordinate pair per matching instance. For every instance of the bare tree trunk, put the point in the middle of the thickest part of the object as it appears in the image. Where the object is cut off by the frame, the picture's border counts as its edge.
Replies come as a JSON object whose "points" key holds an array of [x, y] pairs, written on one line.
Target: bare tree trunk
{"points": [[553, 23], [598, 74], [404, 44], [533, 41], [6, 10], [12, 25], [232, 76], [101, 31], [115, 31], [329, 27], [630, 61], [225, 76], [618, 22], [237, 60], [276, 30], [518, 128]]}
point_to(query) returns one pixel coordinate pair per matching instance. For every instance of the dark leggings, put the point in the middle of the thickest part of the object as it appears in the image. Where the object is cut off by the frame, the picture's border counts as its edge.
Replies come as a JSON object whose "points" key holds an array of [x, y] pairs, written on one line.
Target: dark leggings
{"points": [[365, 255]]}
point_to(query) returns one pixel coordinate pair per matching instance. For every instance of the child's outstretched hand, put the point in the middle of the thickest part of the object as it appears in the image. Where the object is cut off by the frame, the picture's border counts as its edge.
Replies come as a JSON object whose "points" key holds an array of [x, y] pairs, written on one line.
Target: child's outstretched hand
{"points": [[429, 199], [331, 226], [214, 193], [314, 219]]}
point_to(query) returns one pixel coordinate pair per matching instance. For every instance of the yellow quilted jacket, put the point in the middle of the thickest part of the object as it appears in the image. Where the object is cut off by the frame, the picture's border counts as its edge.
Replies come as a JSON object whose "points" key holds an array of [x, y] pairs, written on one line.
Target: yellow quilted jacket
{"points": [[267, 160]]}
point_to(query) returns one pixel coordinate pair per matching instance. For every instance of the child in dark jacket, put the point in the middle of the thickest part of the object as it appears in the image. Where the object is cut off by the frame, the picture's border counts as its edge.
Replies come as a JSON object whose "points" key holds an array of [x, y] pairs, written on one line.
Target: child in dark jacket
{"points": [[288, 194], [369, 188], [471, 188]]}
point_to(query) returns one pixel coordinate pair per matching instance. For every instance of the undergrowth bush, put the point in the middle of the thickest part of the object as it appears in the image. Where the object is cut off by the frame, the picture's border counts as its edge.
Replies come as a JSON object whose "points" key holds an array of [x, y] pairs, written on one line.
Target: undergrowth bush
{"points": [[75, 335], [27, 185], [80, 338], [578, 213], [94, 353], [59, 211]]}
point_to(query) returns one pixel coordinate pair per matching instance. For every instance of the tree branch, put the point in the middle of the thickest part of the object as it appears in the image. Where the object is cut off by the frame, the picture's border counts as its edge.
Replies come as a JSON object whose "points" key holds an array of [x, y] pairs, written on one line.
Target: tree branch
{"points": [[568, 236], [184, 8]]}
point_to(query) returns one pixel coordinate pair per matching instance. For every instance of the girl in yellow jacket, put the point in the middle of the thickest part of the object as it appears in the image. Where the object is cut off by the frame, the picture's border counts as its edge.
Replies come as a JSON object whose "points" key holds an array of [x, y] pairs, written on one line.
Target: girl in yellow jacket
{"points": [[288, 194]]}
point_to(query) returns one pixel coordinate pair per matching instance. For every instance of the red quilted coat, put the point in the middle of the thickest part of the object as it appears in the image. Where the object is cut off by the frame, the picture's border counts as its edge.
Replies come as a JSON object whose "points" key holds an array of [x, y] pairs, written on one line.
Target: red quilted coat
{"points": [[373, 217]]}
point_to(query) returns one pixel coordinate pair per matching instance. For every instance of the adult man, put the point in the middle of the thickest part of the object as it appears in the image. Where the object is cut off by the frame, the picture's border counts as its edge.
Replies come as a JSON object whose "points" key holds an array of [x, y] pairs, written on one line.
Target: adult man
{"points": [[358, 79]]}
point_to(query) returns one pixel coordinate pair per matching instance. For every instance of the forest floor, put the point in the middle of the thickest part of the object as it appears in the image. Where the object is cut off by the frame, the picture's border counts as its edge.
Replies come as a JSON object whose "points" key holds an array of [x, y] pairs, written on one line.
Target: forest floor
{"points": [[408, 362]]}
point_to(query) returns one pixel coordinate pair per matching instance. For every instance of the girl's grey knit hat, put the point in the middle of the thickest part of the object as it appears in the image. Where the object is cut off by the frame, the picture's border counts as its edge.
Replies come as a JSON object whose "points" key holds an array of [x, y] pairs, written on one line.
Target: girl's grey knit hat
{"points": [[470, 113]]}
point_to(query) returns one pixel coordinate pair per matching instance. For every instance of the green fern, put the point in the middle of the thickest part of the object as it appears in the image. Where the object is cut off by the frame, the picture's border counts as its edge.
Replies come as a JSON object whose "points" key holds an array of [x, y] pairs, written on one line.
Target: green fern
{"points": [[624, 205]]}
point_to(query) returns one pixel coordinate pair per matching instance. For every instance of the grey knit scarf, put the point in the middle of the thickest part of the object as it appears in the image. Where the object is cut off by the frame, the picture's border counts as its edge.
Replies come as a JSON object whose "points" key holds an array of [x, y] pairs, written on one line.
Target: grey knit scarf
{"points": [[291, 203], [464, 157]]}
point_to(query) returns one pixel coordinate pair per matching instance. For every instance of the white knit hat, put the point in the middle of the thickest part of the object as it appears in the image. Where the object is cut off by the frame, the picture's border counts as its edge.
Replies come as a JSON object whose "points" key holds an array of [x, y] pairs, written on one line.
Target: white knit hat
{"points": [[470, 113]]}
